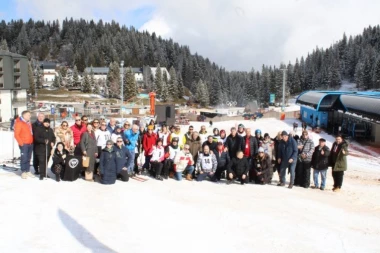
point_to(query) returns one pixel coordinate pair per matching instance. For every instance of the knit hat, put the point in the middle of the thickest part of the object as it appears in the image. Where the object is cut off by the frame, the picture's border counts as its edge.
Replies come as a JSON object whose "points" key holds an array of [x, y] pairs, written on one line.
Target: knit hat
{"points": [[46, 120], [322, 140], [241, 125], [109, 142], [284, 133], [261, 150]]}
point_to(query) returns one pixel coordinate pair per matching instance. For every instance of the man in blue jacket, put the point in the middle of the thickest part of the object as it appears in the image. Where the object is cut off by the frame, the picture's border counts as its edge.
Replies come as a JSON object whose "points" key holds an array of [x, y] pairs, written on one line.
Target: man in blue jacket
{"points": [[287, 158], [131, 137]]}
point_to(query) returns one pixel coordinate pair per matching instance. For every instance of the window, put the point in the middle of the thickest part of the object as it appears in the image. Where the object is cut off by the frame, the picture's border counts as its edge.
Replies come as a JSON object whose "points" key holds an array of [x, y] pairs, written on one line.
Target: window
{"points": [[1, 64], [16, 66], [17, 82]]}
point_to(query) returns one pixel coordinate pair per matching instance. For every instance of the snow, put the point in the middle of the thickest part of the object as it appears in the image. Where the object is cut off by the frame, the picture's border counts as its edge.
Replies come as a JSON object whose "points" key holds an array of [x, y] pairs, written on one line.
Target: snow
{"points": [[171, 216], [348, 86]]}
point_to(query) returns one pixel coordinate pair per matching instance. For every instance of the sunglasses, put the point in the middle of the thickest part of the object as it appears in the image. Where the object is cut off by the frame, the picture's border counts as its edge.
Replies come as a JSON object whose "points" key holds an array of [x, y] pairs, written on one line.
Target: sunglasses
{"points": [[119, 141], [96, 122], [77, 120], [64, 125], [127, 125], [85, 120], [104, 125], [109, 144], [191, 129]]}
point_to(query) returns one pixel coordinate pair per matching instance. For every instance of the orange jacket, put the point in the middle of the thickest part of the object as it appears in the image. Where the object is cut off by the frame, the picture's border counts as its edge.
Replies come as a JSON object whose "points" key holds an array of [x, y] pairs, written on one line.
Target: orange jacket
{"points": [[23, 132]]}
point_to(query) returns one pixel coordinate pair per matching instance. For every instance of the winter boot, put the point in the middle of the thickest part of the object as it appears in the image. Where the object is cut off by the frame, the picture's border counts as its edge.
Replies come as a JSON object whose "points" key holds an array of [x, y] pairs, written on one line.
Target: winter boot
{"points": [[189, 177], [24, 175], [159, 178], [29, 174], [281, 184], [337, 189], [290, 186], [57, 177], [229, 181]]}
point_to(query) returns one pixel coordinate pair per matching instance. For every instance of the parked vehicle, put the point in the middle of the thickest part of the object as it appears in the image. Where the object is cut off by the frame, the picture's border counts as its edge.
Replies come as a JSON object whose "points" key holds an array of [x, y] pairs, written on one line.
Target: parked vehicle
{"points": [[44, 109]]}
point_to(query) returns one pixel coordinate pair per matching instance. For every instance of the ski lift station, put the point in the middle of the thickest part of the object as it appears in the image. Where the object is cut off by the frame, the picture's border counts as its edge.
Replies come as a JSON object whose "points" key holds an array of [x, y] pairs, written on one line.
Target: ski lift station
{"points": [[354, 114]]}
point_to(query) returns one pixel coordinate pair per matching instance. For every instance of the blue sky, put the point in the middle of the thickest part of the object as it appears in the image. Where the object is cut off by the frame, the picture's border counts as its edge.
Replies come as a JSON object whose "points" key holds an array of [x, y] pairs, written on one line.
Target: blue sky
{"points": [[10, 9]]}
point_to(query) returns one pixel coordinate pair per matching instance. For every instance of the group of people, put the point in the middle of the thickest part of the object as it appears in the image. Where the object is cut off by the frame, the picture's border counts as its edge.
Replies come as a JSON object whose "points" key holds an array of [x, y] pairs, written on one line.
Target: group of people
{"points": [[112, 151]]}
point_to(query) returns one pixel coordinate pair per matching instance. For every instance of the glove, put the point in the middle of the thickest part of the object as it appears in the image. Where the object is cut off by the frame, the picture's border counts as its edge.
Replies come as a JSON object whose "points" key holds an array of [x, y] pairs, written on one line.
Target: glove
{"points": [[127, 142]]}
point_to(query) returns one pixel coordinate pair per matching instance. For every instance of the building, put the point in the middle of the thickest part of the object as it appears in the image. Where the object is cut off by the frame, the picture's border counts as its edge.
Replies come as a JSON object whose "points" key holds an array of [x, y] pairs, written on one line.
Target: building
{"points": [[101, 73], [13, 84], [49, 70], [353, 114]]}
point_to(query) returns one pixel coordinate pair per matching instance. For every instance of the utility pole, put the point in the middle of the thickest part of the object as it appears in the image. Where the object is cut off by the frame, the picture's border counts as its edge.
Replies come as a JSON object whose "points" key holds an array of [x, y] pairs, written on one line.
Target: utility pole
{"points": [[283, 89], [122, 89]]}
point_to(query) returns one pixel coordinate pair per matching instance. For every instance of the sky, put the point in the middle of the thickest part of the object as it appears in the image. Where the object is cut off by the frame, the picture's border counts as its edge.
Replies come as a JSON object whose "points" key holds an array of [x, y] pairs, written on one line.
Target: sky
{"points": [[238, 34]]}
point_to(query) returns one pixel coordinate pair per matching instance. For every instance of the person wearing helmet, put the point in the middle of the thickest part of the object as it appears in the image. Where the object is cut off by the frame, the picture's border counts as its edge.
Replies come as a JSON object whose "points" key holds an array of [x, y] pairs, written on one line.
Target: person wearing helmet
{"points": [[241, 130], [259, 137], [172, 150], [157, 154]]}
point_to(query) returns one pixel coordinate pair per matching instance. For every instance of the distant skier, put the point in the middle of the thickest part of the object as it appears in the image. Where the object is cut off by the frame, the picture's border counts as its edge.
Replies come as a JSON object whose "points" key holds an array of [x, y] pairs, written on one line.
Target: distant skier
{"points": [[295, 126]]}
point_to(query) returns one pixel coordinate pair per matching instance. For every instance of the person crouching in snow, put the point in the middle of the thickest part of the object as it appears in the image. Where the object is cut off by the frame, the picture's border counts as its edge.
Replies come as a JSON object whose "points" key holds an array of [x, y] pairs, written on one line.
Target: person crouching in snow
{"points": [[158, 156], [222, 158], [206, 164], [108, 168], [183, 162], [262, 166], [123, 160], [238, 168], [59, 160], [172, 151]]}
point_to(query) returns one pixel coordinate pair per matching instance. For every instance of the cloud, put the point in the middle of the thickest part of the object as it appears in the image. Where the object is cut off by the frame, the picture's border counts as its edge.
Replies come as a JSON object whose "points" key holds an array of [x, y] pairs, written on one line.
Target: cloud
{"points": [[238, 34]]}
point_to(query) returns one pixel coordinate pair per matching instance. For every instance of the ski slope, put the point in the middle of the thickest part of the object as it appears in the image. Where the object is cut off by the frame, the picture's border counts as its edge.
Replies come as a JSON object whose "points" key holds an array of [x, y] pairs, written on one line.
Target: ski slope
{"points": [[170, 216]]}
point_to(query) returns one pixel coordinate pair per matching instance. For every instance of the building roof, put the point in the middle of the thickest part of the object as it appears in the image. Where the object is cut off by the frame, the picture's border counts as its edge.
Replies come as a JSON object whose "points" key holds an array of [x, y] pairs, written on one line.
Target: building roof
{"points": [[104, 70], [367, 106], [2, 52], [322, 100], [47, 65]]}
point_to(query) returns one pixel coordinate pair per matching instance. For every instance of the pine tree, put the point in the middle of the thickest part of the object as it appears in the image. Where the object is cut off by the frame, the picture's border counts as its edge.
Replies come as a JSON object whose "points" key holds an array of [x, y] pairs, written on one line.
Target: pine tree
{"points": [[376, 75], [32, 87], [173, 84], [202, 94], [158, 80], [39, 76], [130, 87], [164, 92], [4, 45], [215, 92], [56, 81], [75, 76], [92, 78], [86, 86], [60, 80], [113, 80], [181, 88], [23, 45]]}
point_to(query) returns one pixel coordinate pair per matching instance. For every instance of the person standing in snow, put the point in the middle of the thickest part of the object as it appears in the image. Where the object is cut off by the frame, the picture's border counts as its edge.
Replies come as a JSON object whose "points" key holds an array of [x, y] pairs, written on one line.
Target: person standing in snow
{"points": [[187, 136], [223, 159], [320, 163], [173, 150], [304, 125], [131, 138], [262, 165], [238, 168], [89, 150], [23, 134], [206, 164], [216, 136], [250, 147], [123, 159], [164, 134], [44, 140], [108, 164], [305, 153], [102, 135], [241, 130], [234, 143], [64, 134], [78, 129], [203, 134], [177, 133], [258, 137], [338, 161], [287, 158], [295, 127], [111, 125], [268, 146], [38, 123], [149, 140], [210, 142], [118, 132], [195, 145]]}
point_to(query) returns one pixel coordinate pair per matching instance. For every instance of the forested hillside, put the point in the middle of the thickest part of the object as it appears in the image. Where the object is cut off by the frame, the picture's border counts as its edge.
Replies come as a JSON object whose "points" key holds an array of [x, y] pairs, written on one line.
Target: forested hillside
{"points": [[87, 43]]}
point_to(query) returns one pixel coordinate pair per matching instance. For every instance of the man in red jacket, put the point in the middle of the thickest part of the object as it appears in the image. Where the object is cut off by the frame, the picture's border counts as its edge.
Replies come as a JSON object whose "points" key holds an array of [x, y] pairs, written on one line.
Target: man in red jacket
{"points": [[24, 135], [78, 128], [149, 140]]}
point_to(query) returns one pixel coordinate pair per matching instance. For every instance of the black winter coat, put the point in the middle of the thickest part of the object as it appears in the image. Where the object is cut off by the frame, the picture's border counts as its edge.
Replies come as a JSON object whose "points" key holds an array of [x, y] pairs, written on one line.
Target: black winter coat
{"points": [[253, 144], [223, 158], [212, 145], [108, 167], [238, 166], [263, 165], [59, 160], [40, 135], [319, 161], [234, 144]]}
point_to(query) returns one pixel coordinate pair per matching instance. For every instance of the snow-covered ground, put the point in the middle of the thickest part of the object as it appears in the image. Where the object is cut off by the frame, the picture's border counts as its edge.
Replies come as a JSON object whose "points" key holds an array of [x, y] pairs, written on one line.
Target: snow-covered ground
{"points": [[171, 216]]}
